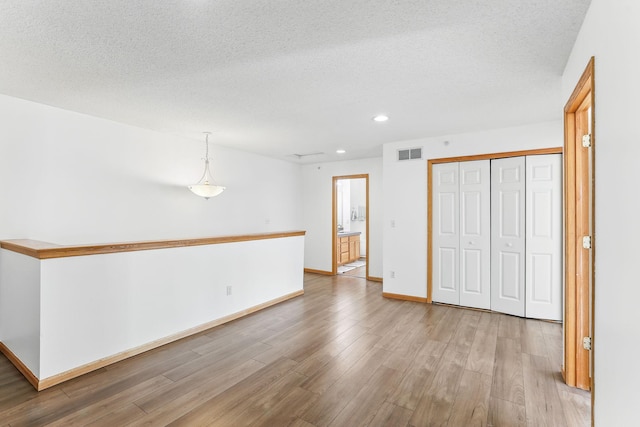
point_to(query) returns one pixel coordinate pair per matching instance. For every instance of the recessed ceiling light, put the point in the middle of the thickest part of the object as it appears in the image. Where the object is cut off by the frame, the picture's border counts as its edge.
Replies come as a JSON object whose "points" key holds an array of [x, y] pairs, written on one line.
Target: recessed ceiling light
{"points": [[380, 118], [341, 151]]}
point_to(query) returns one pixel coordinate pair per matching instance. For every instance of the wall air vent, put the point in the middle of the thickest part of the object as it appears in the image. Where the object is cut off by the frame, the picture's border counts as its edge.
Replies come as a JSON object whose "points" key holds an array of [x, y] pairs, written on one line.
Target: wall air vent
{"points": [[410, 154]]}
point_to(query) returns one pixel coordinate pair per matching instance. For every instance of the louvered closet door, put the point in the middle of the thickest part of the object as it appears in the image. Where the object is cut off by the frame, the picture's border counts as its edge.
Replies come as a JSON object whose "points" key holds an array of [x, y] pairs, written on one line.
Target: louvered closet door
{"points": [[475, 234], [446, 236], [508, 235], [544, 237]]}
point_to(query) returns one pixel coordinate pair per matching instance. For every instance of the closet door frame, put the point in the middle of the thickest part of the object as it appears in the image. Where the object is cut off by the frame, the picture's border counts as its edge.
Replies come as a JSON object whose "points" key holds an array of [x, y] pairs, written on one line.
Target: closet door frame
{"points": [[430, 163]]}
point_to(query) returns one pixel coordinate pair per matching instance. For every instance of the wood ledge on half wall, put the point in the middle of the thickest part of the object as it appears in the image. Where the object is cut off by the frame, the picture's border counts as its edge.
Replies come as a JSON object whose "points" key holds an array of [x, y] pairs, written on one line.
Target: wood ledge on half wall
{"points": [[44, 250]]}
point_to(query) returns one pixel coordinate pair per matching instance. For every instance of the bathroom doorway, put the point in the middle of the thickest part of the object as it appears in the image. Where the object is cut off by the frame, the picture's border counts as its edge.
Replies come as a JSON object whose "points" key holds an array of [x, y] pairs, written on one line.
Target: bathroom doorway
{"points": [[350, 233]]}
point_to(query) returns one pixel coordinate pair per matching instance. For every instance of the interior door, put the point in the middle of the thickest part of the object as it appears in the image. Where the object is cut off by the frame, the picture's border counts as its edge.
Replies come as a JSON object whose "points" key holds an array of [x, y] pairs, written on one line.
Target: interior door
{"points": [[508, 235], [446, 235], [544, 237], [475, 234]]}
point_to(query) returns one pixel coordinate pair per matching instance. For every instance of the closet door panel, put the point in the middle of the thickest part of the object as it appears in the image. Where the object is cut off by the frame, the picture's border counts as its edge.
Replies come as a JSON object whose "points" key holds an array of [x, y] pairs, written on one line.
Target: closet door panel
{"points": [[508, 235], [446, 234], [544, 237], [475, 234]]}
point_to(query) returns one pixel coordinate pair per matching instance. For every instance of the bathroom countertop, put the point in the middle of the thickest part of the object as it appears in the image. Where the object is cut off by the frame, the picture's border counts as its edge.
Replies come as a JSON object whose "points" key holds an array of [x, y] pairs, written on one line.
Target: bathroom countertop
{"points": [[349, 233]]}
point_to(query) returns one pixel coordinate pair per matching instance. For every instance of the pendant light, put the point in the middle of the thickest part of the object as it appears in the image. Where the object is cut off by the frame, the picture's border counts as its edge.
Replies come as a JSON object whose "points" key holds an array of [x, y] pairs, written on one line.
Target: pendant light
{"points": [[205, 186]]}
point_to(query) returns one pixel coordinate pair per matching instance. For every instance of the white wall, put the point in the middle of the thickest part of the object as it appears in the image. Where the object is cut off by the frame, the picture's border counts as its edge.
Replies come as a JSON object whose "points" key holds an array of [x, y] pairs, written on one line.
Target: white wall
{"points": [[70, 178], [405, 194], [62, 313], [100, 305], [20, 307], [316, 205], [611, 33]]}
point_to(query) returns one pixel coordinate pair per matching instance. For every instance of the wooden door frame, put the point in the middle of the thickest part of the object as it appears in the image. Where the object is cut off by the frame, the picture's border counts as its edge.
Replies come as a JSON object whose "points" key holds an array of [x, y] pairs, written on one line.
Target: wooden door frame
{"points": [[430, 163], [575, 368], [334, 220]]}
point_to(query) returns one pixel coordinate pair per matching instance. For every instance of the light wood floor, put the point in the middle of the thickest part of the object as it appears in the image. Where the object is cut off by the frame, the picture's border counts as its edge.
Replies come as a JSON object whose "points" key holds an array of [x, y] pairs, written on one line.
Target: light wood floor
{"points": [[340, 355], [357, 272]]}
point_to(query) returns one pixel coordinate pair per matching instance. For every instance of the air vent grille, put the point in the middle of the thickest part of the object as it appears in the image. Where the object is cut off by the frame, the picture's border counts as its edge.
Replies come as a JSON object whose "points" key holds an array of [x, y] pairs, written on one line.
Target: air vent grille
{"points": [[300, 156], [410, 154]]}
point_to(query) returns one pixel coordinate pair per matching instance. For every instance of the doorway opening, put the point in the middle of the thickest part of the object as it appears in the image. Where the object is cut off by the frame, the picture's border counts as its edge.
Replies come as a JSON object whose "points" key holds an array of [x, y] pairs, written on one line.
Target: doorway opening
{"points": [[350, 225], [579, 152]]}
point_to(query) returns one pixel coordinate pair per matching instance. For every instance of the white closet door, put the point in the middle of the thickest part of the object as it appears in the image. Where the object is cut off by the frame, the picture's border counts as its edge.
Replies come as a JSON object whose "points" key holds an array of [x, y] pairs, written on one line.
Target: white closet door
{"points": [[544, 237], [508, 235], [475, 234], [446, 236]]}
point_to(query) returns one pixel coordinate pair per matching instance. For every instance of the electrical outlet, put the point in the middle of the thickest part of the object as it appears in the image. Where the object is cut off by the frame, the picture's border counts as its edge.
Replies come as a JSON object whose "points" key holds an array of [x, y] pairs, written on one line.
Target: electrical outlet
{"points": [[393, 223], [393, 274], [228, 290]]}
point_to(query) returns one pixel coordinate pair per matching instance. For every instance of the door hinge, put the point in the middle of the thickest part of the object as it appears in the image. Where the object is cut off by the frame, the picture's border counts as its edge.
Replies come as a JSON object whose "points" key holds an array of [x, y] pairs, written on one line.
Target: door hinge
{"points": [[586, 140], [586, 343], [586, 242]]}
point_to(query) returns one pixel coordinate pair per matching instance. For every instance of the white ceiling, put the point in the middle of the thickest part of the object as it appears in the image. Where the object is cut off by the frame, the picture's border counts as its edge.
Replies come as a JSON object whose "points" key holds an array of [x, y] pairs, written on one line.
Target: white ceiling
{"points": [[279, 77]]}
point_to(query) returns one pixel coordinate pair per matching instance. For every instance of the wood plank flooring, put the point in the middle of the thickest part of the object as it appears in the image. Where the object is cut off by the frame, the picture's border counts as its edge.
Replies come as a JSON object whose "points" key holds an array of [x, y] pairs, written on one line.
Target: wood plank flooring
{"points": [[341, 355], [357, 272]]}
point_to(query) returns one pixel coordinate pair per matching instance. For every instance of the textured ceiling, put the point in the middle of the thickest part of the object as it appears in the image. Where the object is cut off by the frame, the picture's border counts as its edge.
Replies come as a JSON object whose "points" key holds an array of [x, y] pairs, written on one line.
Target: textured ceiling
{"points": [[279, 77]]}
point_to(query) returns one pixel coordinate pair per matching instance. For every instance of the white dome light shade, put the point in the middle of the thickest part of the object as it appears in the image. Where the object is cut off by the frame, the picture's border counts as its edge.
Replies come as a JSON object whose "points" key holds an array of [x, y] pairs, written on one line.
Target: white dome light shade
{"points": [[204, 188], [380, 118]]}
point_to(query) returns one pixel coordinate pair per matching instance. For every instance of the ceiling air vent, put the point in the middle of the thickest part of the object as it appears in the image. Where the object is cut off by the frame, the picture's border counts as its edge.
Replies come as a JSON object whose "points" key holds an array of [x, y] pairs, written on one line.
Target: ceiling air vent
{"points": [[410, 154], [300, 156]]}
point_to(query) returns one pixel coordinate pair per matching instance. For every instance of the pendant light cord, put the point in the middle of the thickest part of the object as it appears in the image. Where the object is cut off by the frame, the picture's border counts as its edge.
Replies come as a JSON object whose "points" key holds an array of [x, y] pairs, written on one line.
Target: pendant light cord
{"points": [[207, 150], [206, 163]]}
